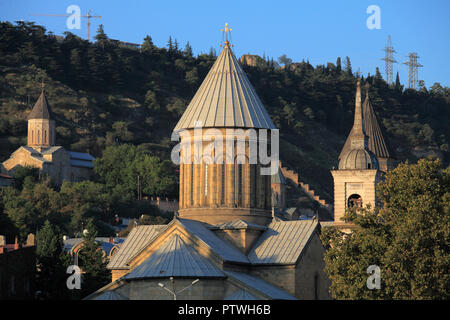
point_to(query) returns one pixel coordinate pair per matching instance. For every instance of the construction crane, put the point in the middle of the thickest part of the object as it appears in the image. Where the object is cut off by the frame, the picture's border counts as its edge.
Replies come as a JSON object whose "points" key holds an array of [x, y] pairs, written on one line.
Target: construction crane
{"points": [[88, 16]]}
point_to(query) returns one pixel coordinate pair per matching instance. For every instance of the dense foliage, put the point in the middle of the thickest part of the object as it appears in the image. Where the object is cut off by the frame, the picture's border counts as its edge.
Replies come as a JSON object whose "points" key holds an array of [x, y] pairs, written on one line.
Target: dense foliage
{"points": [[103, 93], [408, 239]]}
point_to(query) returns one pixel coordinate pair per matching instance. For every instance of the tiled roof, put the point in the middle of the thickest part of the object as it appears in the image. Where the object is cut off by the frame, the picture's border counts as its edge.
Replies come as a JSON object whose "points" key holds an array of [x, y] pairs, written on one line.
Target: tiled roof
{"points": [[260, 285], [282, 242], [175, 258], [138, 238], [226, 99]]}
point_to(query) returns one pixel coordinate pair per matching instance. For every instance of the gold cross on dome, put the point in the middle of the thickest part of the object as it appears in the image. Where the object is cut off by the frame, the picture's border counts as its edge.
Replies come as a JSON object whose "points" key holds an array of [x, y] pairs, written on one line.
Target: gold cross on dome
{"points": [[227, 30]]}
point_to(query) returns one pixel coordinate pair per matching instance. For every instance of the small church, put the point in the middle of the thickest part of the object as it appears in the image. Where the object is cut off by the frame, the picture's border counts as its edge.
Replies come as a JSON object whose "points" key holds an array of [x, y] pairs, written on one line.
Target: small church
{"points": [[224, 243], [41, 152]]}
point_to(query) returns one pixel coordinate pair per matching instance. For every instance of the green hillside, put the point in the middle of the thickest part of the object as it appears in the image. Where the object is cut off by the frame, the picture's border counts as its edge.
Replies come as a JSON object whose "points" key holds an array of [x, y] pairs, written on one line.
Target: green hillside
{"points": [[103, 94]]}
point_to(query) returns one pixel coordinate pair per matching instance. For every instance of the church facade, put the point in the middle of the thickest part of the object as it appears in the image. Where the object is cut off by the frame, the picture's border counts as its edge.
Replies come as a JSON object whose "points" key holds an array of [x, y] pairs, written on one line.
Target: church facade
{"points": [[224, 243], [41, 152]]}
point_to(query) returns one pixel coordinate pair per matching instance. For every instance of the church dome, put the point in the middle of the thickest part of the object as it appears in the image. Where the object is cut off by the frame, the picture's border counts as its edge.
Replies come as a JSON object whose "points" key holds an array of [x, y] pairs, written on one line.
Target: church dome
{"points": [[358, 159]]}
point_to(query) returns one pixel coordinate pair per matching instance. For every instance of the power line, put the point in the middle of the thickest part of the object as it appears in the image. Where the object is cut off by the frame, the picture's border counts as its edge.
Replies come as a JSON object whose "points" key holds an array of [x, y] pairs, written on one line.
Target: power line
{"points": [[413, 73], [389, 60]]}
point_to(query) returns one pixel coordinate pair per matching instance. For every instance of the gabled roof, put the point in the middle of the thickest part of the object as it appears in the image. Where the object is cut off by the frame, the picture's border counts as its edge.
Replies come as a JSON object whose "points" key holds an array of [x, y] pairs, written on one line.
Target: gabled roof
{"points": [[225, 250], [175, 258], [226, 99], [238, 224], [137, 239], [41, 109], [260, 285], [283, 242]]}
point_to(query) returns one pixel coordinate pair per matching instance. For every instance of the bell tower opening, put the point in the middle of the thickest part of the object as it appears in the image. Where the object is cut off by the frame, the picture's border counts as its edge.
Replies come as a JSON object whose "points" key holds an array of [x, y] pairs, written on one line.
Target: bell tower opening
{"points": [[354, 201]]}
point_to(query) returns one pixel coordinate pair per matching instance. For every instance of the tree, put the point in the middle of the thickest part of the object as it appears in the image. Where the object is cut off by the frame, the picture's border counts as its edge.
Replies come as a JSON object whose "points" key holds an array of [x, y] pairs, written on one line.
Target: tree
{"points": [[407, 238], [192, 77], [52, 262], [188, 50], [338, 64], [101, 38], [398, 86], [148, 45], [92, 262], [284, 60], [170, 44], [348, 66]]}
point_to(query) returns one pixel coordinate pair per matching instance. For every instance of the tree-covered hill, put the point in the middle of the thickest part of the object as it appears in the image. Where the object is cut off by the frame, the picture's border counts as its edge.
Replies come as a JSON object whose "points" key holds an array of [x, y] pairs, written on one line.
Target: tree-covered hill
{"points": [[103, 94]]}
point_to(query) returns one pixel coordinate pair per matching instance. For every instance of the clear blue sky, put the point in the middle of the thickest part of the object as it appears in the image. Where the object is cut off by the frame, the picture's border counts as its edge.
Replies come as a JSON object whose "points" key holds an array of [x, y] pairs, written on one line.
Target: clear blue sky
{"points": [[316, 30]]}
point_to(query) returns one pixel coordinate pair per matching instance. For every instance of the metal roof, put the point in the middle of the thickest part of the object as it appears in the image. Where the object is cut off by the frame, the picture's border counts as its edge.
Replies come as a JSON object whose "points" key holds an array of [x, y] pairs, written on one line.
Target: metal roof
{"points": [[175, 258], [81, 163], [138, 238], [221, 247], [238, 224], [260, 285], [241, 295], [81, 156], [110, 295], [282, 242], [226, 99], [41, 109]]}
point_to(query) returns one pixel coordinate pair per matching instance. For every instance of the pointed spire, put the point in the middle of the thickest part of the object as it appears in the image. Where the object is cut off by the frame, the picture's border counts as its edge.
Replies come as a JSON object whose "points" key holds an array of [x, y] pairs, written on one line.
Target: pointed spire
{"points": [[357, 134], [41, 109]]}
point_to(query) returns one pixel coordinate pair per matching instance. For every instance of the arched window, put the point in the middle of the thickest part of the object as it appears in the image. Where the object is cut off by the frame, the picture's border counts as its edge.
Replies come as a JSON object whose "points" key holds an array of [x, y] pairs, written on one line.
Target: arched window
{"points": [[239, 184], [45, 136], [354, 200], [206, 180], [255, 185], [222, 177], [192, 183]]}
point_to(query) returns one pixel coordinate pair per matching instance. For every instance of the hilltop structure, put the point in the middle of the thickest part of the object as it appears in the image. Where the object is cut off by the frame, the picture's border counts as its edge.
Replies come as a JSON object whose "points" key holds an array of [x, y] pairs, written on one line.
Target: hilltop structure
{"points": [[224, 243], [364, 159], [41, 152]]}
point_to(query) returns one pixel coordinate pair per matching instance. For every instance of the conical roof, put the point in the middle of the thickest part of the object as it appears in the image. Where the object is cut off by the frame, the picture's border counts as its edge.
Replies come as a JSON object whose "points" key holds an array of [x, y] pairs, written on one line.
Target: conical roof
{"points": [[41, 109], [226, 99], [375, 142]]}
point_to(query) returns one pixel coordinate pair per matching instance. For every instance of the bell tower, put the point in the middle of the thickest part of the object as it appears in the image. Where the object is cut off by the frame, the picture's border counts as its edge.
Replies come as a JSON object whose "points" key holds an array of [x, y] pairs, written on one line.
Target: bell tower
{"points": [[358, 174], [41, 128]]}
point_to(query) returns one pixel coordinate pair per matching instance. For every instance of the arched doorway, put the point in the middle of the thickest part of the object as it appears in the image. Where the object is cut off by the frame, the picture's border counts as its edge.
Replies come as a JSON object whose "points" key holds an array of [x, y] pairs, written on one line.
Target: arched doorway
{"points": [[354, 201]]}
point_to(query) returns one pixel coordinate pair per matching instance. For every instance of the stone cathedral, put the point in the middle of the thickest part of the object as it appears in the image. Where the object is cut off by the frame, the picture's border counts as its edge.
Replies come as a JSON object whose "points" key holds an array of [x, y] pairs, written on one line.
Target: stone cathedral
{"points": [[224, 243]]}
